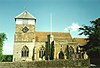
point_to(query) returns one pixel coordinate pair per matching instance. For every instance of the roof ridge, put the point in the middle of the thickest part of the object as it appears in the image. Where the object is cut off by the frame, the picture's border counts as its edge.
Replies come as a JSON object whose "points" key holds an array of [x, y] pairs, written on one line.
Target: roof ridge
{"points": [[25, 14], [52, 32]]}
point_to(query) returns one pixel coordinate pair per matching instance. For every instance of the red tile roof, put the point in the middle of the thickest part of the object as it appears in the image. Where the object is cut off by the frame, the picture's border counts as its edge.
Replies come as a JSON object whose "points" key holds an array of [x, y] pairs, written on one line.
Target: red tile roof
{"points": [[58, 36], [81, 41]]}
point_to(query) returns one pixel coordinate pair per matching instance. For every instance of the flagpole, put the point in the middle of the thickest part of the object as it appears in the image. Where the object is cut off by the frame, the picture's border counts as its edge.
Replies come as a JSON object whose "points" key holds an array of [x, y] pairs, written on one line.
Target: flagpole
{"points": [[51, 23]]}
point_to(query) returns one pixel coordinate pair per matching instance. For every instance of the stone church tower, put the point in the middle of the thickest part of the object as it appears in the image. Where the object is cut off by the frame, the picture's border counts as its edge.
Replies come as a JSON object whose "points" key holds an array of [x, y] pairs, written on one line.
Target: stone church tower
{"points": [[24, 39]]}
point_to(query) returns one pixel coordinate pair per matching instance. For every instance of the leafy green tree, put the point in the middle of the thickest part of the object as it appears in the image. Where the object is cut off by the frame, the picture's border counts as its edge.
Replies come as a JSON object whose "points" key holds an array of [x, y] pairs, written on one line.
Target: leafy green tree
{"points": [[52, 51], [46, 51], [49, 51], [2, 39], [93, 34], [7, 58], [67, 51]]}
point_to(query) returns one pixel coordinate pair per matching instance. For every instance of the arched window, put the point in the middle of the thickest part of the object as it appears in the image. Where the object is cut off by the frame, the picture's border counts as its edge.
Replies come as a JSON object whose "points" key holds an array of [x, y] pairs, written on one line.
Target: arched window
{"points": [[71, 49], [61, 55], [41, 52], [25, 51]]}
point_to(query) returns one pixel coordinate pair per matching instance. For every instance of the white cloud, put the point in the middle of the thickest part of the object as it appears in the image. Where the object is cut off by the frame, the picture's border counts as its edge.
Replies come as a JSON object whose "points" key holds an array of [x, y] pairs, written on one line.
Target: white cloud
{"points": [[74, 27], [65, 29]]}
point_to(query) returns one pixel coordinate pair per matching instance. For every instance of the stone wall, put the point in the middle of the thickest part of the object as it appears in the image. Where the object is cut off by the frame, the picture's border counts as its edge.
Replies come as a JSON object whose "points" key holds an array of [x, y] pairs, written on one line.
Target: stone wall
{"points": [[47, 64]]}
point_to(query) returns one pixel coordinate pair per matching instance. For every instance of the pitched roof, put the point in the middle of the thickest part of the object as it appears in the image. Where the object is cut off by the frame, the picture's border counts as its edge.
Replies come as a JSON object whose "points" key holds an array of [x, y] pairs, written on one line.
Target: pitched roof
{"points": [[81, 41], [25, 15], [58, 36]]}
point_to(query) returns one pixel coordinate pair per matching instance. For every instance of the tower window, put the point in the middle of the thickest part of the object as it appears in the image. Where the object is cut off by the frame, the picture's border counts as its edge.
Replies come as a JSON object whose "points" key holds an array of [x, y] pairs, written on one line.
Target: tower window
{"points": [[25, 29], [25, 51]]}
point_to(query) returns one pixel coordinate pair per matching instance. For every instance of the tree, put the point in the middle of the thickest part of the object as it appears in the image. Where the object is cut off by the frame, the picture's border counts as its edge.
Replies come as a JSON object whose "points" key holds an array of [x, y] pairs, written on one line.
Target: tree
{"points": [[49, 50], [93, 33], [7, 58], [67, 51], [2, 39], [52, 51]]}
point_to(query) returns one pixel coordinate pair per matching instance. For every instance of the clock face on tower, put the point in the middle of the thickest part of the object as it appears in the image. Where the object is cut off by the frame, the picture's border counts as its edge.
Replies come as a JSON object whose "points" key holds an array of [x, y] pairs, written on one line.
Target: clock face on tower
{"points": [[25, 29]]}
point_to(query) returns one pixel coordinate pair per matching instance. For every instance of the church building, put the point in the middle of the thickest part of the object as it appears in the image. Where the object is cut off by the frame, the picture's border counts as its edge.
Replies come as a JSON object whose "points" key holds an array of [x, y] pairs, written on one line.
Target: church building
{"points": [[31, 45]]}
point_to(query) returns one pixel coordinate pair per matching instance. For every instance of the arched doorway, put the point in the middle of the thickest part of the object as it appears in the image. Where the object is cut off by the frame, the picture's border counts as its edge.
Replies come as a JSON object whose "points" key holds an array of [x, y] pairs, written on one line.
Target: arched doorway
{"points": [[61, 55], [25, 51]]}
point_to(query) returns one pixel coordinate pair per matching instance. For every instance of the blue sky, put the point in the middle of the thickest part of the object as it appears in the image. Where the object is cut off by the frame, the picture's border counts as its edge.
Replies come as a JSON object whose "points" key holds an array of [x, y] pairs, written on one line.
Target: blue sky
{"points": [[66, 15]]}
